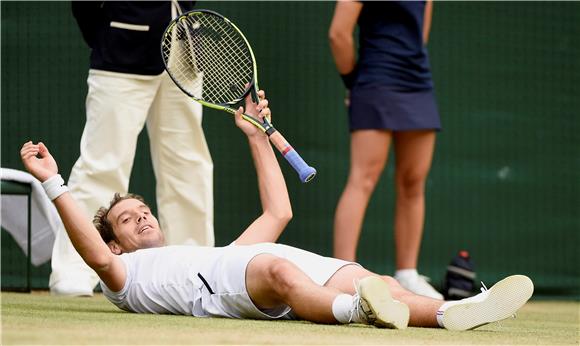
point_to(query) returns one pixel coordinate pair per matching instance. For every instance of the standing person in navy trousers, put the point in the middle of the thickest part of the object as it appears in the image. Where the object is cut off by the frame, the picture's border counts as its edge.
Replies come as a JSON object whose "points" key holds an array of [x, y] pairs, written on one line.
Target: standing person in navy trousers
{"points": [[390, 100]]}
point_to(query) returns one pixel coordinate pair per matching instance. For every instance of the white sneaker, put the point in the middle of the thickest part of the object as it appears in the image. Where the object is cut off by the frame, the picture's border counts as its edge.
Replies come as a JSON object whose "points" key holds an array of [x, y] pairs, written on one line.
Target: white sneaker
{"points": [[69, 288], [498, 303], [374, 305], [419, 285]]}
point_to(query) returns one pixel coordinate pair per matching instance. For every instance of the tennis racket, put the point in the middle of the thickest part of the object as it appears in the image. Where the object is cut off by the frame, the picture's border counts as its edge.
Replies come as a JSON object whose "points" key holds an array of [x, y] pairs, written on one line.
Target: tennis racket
{"points": [[211, 61]]}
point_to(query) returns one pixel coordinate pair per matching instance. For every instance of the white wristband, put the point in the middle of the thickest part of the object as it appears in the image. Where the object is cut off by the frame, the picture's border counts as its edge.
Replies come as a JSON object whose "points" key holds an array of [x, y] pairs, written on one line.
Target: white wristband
{"points": [[54, 187]]}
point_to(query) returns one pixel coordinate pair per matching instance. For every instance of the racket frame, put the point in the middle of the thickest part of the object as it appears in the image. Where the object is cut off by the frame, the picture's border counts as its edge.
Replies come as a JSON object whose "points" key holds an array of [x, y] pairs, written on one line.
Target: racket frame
{"points": [[306, 172]]}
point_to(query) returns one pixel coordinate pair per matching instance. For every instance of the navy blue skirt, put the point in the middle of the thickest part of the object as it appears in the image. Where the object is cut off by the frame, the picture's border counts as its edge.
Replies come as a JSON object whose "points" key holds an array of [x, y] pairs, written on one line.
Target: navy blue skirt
{"points": [[384, 108]]}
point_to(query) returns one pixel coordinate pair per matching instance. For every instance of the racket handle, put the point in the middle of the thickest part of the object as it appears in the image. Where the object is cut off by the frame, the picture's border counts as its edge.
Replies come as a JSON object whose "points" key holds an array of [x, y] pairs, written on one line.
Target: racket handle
{"points": [[305, 172]]}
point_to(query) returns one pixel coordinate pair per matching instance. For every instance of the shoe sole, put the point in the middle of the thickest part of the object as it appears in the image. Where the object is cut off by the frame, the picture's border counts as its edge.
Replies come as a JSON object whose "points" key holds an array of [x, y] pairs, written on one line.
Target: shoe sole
{"points": [[504, 299], [389, 312]]}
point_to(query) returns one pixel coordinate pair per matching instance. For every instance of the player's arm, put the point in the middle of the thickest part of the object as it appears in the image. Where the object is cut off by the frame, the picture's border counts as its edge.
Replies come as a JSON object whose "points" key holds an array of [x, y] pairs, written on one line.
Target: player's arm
{"points": [[83, 235], [276, 207], [427, 20], [341, 37]]}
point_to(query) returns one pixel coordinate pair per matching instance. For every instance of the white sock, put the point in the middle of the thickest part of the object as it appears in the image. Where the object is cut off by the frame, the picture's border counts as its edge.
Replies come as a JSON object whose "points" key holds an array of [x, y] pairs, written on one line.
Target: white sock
{"points": [[342, 308], [442, 309], [406, 274]]}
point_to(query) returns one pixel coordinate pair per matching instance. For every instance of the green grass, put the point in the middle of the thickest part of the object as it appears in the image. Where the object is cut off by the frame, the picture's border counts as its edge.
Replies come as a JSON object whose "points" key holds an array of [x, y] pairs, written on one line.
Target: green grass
{"points": [[39, 318]]}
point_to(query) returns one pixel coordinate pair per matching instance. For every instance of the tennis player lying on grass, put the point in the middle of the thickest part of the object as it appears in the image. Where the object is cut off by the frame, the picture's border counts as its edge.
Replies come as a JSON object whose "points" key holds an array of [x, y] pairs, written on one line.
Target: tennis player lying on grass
{"points": [[252, 277]]}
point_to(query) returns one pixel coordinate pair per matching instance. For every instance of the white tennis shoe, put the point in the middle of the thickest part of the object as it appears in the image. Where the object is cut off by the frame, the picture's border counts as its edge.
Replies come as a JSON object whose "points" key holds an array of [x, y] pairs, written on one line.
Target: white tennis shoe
{"points": [[374, 305], [418, 284], [498, 303]]}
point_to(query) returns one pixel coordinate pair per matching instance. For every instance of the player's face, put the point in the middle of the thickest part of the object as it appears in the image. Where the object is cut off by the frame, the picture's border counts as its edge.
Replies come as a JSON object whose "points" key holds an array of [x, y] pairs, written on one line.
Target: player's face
{"points": [[134, 225]]}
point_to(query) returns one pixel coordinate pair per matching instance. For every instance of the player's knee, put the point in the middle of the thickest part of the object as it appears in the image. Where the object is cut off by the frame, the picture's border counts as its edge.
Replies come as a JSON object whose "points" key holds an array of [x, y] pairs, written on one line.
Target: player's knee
{"points": [[366, 180], [411, 185], [282, 276]]}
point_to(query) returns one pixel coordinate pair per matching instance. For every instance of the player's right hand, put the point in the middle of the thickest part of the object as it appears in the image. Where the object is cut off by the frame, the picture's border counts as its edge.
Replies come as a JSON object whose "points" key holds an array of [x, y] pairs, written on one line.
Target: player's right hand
{"points": [[38, 161], [258, 111]]}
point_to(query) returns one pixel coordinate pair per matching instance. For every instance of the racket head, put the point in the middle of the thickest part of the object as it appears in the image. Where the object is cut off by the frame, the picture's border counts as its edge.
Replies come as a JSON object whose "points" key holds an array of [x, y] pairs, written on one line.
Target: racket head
{"points": [[209, 59]]}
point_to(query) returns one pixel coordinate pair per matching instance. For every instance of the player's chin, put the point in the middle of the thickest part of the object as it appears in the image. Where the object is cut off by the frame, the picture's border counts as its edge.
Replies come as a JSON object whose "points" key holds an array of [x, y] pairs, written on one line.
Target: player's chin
{"points": [[153, 239]]}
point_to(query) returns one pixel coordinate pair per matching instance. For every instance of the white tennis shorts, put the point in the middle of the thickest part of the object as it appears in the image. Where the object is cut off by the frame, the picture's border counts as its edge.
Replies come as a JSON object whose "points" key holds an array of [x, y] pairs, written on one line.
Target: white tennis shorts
{"points": [[225, 295]]}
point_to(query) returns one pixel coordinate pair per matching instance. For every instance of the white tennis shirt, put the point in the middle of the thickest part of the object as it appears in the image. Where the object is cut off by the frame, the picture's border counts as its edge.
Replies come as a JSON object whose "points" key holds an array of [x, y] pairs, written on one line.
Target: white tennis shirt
{"points": [[162, 280], [168, 280]]}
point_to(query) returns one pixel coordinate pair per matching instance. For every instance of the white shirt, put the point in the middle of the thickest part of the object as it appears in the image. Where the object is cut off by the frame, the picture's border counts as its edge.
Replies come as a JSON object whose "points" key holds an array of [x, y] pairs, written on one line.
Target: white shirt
{"points": [[163, 280], [166, 280]]}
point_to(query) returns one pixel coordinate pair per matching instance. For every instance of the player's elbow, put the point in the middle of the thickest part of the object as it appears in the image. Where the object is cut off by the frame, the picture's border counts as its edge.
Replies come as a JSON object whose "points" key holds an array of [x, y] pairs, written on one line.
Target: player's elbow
{"points": [[281, 216], [284, 216], [287, 216], [338, 38]]}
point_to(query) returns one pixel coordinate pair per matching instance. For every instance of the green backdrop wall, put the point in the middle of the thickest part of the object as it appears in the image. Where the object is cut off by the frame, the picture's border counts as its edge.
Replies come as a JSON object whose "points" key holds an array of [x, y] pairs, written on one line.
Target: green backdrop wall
{"points": [[505, 178]]}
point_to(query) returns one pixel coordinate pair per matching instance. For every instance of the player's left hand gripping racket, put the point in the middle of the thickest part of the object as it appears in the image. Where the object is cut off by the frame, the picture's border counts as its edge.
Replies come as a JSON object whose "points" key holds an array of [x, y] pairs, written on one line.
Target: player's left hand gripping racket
{"points": [[203, 48]]}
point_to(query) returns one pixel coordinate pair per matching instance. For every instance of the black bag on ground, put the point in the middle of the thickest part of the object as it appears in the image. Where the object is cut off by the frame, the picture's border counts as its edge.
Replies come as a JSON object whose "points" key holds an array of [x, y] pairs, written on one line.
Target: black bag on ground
{"points": [[460, 278]]}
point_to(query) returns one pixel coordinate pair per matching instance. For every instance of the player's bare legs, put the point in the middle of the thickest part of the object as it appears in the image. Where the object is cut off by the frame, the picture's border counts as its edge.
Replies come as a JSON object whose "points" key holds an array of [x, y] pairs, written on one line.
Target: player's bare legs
{"points": [[413, 155], [272, 281], [369, 152], [423, 310]]}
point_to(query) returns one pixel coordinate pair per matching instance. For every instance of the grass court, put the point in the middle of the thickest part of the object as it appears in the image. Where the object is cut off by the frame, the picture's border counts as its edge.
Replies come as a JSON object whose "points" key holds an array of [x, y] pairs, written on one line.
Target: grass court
{"points": [[42, 319]]}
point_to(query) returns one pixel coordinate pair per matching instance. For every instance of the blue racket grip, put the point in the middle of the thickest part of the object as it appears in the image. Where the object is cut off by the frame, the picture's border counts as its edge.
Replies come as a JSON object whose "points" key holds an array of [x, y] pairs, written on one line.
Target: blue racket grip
{"points": [[305, 172]]}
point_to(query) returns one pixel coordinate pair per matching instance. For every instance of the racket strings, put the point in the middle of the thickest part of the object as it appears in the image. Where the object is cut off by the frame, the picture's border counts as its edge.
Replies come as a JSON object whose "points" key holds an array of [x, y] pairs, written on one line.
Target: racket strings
{"points": [[183, 65], [224, 64], [203, 48], [229, 64]]}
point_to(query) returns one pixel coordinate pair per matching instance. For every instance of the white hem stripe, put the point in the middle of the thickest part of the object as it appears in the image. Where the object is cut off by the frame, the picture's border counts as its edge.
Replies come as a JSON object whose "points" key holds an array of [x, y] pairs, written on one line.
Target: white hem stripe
{"points": [[130, 26]]}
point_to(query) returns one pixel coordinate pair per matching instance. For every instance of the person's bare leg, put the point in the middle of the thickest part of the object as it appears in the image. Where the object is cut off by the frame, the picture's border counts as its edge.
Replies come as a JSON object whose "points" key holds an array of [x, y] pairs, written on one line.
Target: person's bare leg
{"points": [[272, 281], [369, 152], [413, 155], [423, 310]]}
